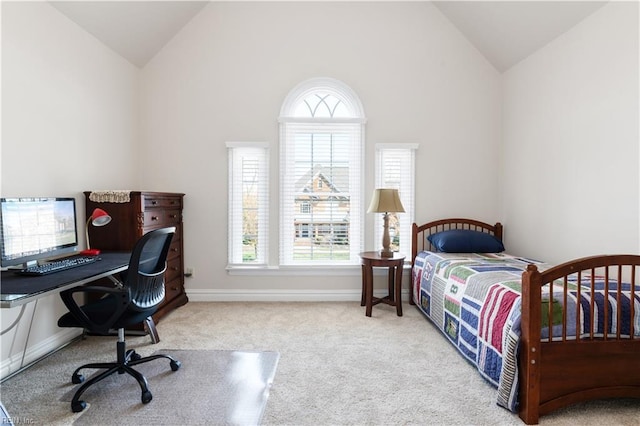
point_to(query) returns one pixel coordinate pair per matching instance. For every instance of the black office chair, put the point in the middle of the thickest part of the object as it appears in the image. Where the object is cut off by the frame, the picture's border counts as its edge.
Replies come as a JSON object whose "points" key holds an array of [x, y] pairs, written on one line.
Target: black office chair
{"points": [[132, 302]]}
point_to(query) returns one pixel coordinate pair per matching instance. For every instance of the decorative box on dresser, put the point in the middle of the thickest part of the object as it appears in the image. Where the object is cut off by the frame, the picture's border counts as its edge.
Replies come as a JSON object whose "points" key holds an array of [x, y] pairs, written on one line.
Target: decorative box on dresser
{"points": [[144, 211]]}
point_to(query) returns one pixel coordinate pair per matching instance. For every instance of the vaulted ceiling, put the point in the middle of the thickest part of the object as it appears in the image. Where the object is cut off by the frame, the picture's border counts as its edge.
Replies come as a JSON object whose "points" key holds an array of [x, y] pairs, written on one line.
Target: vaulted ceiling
{"points": [[137, 30], [505, 32], [508, 31]]}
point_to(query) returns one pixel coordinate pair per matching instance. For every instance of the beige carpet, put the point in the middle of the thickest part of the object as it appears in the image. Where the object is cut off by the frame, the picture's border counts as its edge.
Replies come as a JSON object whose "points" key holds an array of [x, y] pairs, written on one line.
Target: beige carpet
{"points": [[336, 367]]}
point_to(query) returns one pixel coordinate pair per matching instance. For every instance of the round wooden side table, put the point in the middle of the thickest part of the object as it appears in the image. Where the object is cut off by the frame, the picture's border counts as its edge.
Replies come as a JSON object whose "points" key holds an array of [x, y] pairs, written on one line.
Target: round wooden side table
{"points": [[372, 259]]}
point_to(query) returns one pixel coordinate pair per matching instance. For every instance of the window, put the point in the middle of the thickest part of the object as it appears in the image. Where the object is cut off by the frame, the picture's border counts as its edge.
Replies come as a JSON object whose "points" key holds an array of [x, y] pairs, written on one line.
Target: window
{"points": [[394, 168], [321, 127], [248, 201]]}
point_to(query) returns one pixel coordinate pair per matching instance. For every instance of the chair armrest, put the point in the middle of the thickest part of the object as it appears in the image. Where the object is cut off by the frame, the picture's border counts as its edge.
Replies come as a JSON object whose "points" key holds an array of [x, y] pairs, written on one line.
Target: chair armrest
{"points": [[122, 299]]}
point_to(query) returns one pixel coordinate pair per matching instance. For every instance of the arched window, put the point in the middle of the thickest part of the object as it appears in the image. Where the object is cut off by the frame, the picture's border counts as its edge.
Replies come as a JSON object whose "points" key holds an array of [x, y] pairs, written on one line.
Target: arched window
{"points": [[321, 156]]}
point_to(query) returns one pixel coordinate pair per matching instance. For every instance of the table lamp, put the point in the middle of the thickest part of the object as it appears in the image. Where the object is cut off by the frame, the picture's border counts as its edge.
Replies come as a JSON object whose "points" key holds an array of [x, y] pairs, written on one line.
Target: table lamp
{"points": [[99, 217], [386, 201]]}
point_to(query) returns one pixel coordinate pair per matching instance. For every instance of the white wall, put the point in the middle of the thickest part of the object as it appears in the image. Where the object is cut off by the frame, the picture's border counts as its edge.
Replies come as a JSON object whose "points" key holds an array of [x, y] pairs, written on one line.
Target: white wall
{"points": [[69, 124], [571, 107], [571, 135], [225, 76], [567, 117]]}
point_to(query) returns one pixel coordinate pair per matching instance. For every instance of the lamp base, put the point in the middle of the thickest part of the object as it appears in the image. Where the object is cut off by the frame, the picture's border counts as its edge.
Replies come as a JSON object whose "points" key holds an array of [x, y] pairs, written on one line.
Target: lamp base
{"points": [[384, 253], [90, 252]]}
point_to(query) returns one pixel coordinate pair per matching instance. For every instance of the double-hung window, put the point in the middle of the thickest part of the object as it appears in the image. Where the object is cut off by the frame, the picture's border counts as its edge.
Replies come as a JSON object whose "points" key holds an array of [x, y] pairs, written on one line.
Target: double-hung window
{"points": [[321, 182]]}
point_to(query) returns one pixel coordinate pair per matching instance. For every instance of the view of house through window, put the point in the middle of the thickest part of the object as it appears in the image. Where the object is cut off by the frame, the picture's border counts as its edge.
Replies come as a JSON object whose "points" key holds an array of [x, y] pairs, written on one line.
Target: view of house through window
{"points": [[321, 196], [321, 155]]}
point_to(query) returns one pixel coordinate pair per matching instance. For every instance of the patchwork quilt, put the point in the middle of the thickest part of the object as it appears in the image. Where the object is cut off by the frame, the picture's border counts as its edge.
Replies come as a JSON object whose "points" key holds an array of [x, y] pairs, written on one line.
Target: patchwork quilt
{"points": [[474, 299]]}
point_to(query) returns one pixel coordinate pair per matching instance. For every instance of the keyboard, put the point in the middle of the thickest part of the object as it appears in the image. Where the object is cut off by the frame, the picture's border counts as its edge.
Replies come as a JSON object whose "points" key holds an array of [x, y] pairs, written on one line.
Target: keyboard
{"points": [[57, 265]]}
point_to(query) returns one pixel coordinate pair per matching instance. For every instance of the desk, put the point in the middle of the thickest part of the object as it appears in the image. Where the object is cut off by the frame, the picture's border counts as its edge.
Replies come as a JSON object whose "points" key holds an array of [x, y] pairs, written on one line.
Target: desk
{"points": [[371, 259], [19, 290]]}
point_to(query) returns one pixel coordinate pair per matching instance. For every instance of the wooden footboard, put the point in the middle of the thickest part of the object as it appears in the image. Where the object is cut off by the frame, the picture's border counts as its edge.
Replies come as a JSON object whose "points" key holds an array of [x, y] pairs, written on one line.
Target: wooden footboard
{"points": [[556, 369]]}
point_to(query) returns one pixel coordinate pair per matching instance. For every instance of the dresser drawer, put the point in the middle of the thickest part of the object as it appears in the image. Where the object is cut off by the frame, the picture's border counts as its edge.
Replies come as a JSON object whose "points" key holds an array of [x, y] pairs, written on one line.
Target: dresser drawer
{"points": [[161, 218], [174, 269], [172, 289], [151, 201], [175, 250]]}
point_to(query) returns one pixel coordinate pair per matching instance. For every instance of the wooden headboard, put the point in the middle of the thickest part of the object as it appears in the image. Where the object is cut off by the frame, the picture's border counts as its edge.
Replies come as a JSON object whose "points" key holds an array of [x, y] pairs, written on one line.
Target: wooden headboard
{"points": [[420, 233]]}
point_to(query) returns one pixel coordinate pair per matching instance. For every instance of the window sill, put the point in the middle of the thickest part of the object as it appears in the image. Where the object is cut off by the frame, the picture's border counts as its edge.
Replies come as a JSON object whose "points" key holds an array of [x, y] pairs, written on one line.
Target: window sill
{"points": [[337, 270], [294, 270]]}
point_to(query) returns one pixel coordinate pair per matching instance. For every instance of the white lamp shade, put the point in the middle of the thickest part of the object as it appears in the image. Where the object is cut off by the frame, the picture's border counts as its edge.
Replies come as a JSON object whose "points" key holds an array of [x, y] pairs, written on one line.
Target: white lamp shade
{"points": [[385, 200]]}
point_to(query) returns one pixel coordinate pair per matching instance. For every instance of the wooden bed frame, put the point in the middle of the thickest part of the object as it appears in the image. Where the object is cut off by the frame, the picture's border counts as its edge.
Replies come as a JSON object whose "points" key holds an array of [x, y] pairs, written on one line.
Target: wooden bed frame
{"points": [[563, 371]]}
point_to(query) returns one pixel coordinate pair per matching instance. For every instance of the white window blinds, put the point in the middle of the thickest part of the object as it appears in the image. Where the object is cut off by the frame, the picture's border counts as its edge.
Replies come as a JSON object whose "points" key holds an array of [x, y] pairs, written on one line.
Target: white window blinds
{"points": [[395, 168], [248, 203], [320, 192]]}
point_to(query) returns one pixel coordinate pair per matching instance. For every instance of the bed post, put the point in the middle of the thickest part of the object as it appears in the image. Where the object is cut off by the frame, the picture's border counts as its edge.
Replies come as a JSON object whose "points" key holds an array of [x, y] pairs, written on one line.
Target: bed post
{"points": [[497, 231], [414, 253], [529, 358]]}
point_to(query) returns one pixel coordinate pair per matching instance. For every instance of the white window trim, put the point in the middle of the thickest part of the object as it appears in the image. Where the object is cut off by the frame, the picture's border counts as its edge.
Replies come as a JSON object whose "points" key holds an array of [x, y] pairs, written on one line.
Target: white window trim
{"points": [[306, 87], [263, 225], [316, 271], [409, 205], [353, 104]]}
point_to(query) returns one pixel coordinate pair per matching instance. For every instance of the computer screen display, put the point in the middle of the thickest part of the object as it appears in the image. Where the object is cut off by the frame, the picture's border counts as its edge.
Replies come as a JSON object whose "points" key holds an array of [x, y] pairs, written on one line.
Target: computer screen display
{"points": [[36, 228]]}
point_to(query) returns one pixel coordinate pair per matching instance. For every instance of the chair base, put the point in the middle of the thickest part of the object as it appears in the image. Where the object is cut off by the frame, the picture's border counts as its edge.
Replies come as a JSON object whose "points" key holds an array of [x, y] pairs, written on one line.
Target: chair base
{"points": [[126, 360]]}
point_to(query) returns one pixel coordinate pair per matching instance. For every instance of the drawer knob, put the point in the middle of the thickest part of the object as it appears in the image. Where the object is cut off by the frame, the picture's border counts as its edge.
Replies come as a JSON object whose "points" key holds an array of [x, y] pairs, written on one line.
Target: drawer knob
{"points": [[154, 217], [154, 202]]}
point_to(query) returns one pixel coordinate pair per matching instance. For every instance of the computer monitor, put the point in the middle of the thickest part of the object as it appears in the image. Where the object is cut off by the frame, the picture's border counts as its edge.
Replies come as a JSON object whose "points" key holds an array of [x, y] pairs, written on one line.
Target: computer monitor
{"points": [[33, 229]]}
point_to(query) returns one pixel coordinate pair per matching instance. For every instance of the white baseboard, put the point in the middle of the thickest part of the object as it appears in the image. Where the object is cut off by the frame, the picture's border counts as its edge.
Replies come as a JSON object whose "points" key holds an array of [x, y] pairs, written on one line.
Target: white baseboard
{"points": [[35, 352], [249, 295]]}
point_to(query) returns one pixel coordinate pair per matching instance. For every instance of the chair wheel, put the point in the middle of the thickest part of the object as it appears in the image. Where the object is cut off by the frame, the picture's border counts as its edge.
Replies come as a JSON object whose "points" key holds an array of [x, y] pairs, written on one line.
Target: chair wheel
{"points": [[135, 356], [175, 365], [77, 378], [146, 397], [78, 406]]}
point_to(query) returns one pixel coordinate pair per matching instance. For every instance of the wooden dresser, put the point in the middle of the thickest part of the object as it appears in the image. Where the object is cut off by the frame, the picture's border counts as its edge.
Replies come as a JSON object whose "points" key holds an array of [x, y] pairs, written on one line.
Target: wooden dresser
{"points": [[144, 212]]}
